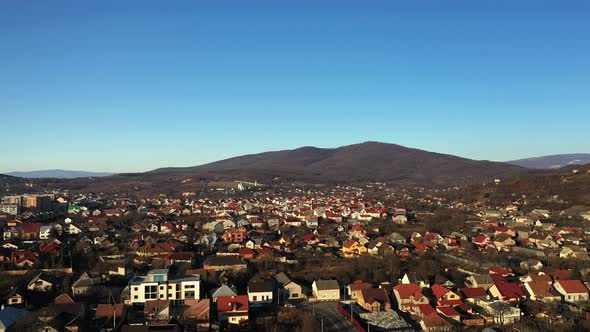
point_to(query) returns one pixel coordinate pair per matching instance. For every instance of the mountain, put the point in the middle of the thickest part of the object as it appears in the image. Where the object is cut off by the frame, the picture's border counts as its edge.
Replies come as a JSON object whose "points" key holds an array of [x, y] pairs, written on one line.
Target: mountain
{"points": [[369, 161], [553, 161], [58, 174]]}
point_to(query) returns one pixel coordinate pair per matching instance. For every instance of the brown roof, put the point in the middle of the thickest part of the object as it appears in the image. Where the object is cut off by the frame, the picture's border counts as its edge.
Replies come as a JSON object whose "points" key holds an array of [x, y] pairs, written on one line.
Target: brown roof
{"points": [[197, 308], [541, 289], [572, 286], [107, 310], [372, 295], [63, 299], [156, 306]]}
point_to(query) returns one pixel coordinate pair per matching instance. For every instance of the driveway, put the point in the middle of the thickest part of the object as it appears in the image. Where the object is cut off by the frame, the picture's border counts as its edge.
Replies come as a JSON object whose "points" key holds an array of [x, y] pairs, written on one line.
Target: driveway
{"points": [[333, 320]]}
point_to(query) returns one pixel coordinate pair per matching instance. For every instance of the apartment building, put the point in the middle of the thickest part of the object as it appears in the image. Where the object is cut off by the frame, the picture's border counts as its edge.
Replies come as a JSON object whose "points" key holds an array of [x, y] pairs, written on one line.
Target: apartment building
{"points": [[158, 285]]}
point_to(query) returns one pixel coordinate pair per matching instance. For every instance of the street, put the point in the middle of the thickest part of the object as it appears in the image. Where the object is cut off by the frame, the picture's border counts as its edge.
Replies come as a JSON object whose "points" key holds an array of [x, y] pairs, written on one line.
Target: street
{"points": [[332, 319]]}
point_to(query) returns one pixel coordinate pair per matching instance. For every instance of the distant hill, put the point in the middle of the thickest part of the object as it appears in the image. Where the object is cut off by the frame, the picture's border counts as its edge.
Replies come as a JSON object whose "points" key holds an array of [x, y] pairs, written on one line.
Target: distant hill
{"points": [[357, 163], [369, 161], [553, 161], [58, 174]]}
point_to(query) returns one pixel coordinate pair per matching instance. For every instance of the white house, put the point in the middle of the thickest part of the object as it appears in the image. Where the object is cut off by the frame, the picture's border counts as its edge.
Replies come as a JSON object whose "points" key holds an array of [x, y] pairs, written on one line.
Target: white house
{"points": [[572, 291], [45, 232], [260, 291], [158, 286], [72, 229], [326, 290], [42, 282]]}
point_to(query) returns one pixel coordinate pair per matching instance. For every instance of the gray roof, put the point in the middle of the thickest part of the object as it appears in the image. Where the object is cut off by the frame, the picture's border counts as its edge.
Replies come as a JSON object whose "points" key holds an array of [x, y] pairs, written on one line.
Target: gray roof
{"points": [[282, 279], [224, 290], [327, 284], [224, 261], [483, 279]]}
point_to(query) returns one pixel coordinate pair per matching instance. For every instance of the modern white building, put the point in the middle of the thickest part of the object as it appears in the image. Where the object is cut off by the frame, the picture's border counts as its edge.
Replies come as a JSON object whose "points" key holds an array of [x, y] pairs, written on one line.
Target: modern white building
{"points": [[157, 285]]}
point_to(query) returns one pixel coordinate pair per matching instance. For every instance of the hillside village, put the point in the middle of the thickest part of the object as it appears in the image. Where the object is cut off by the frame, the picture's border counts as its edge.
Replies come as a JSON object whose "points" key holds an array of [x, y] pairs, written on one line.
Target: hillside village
{"points": [[335, 258]]}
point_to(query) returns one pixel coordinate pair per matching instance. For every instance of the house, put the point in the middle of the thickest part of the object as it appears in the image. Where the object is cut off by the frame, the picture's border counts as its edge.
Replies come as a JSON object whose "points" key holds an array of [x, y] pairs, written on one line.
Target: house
{"points": [[185, 257], [289, 289], [45, 232], [234, 235], [408, 297], [449, 312], [397, 238], [197, 310], [223, 290], [12, 296], [481, 240], [260, 291], [572, 291], [157, 310], [85, 284], [72, 229], [355, 288], [435, 323], [531, 264], [503, 242], [540, 290], [109, 314], [353, 248], [222, 262], [445, 297], [30, 230], [414, 278], [474, 294], [479, 280], [42, 282], [374, 300], [326, 290], [505, 290], [253, 244], [233, 310], [503, 312]]}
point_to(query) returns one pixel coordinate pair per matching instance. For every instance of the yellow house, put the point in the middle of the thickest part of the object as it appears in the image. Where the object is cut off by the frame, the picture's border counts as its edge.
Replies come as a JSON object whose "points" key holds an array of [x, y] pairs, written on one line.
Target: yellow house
{"points": [[353, 248]]}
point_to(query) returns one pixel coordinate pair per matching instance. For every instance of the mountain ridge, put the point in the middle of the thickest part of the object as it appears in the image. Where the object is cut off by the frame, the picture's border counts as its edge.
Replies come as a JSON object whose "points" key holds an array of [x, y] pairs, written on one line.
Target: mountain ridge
{"points": [[357, 162], [553, 161], [56, 174]]}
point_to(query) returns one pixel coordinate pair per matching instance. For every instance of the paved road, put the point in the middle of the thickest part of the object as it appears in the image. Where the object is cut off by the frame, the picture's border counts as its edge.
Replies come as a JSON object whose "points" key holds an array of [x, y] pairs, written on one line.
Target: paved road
{"points": [[333, 320]]}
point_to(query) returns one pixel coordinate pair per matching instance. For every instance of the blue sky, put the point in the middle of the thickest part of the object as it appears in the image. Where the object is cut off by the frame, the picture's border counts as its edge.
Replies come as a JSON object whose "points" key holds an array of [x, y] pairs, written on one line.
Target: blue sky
{"points": [[135, 85]]}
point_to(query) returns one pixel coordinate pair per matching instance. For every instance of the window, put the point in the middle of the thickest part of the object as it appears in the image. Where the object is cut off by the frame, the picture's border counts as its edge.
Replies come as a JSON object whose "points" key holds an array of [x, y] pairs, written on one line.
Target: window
{"points": [[151, 292], [254, 298], [189, 295], [189, 286], [294, 295], [135, 297], [136, 289]]}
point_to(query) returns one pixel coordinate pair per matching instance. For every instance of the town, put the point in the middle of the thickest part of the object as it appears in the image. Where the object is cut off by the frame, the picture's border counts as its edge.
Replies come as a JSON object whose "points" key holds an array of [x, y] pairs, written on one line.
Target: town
{"points": [[249, 257]]}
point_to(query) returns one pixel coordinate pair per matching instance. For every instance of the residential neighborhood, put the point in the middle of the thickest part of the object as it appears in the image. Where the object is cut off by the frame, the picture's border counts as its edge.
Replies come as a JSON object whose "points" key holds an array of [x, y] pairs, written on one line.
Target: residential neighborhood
{"points": [[283, 258]]}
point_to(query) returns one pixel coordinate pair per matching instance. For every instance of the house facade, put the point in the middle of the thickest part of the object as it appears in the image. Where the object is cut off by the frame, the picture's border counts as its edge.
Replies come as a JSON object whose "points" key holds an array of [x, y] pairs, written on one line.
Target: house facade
{"points": [[158, 286]]}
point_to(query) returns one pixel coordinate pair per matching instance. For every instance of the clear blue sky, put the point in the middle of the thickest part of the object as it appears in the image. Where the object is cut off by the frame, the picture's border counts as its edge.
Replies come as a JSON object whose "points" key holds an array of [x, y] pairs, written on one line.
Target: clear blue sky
{"points": [[136, 85]]}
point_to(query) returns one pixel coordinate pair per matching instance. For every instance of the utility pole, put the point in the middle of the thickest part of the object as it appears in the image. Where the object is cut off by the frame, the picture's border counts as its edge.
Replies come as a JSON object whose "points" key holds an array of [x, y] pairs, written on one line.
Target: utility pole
{"points": [[322, 324]]}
